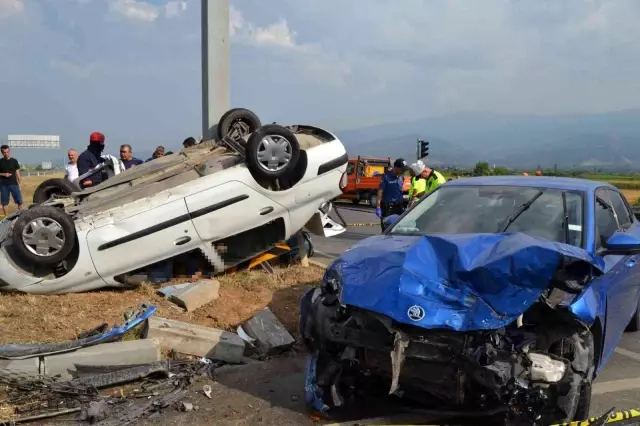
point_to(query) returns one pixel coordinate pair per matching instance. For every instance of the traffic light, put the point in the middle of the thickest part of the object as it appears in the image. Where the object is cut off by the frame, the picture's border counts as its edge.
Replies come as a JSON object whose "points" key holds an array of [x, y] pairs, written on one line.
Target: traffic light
{"points": [[424, 148]]}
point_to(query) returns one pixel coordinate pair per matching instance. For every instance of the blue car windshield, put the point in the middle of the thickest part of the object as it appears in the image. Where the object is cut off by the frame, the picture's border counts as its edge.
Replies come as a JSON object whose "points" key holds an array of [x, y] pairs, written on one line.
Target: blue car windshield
{"points": [[538, 212]]}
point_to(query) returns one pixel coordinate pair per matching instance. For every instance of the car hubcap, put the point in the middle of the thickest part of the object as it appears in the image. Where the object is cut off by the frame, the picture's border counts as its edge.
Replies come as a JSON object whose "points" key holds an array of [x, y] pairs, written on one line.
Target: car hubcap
{"points": [[274, 153], [43, 237]]}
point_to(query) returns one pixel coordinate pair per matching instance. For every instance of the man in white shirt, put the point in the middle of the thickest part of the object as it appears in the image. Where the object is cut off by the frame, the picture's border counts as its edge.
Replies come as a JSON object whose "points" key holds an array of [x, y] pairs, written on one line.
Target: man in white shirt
{"points": [[72, 166]]}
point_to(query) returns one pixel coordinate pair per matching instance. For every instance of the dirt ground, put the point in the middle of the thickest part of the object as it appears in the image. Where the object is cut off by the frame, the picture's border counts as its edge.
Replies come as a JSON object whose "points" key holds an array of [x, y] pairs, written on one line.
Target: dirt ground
{"points": [[44, 318]]}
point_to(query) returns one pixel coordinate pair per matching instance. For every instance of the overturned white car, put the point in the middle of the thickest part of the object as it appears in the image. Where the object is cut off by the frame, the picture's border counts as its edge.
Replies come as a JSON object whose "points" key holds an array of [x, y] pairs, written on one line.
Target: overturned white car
{"points": [[228, 199]]}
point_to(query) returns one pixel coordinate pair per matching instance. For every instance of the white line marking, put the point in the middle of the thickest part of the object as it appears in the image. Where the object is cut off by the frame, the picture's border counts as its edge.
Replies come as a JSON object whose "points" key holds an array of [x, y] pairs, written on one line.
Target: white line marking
{"points": [[628, 354], [616, 386]]}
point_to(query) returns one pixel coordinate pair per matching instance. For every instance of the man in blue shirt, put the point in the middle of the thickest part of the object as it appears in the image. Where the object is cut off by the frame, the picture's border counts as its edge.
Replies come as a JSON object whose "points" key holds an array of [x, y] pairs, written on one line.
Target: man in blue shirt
{"points": [[90, 159], [390, 199], [126, 155]]}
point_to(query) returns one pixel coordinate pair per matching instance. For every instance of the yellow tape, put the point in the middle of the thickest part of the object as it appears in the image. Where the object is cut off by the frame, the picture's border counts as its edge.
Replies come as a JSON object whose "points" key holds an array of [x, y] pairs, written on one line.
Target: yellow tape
{"points": [[626, 417], [364, 224]]}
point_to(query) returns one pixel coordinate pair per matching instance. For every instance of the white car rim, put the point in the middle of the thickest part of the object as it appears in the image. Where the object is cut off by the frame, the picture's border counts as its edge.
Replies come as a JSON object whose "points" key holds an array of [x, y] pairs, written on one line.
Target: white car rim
{"points": [[43, 237], [274, 153]]}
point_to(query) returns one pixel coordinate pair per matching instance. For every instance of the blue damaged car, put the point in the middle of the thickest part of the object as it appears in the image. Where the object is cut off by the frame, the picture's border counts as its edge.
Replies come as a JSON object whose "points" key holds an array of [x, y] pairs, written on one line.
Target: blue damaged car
{"points": [[498, 296]]}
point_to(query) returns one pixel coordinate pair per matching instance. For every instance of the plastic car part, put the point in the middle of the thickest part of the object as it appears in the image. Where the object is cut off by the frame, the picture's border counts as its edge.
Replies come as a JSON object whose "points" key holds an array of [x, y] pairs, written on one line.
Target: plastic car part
{"points": [[546, 369], [53, 187], [44, 235], [236, 123], [14, 351], [272, 152]]}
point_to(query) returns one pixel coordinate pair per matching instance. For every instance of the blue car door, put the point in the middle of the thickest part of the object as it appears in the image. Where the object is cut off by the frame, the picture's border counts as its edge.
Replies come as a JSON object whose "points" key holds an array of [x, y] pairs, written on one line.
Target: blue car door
{"points": [[622, 280]]}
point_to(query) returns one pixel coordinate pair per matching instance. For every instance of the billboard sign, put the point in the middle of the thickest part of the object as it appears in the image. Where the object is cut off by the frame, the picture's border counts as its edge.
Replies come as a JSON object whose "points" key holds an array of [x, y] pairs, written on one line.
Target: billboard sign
{"points": [[34, 141]]}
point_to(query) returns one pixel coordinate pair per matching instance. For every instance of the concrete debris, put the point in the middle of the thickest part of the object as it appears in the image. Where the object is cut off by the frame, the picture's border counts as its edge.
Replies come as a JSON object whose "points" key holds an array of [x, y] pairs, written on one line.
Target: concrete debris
{"points": [[191, 296], [97, 411], [196, 340], [186, 407], [119, 353], [270, 336]]}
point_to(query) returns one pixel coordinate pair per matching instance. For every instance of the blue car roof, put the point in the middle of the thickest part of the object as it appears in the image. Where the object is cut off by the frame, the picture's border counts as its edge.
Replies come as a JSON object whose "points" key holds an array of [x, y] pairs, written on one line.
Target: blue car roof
{"points": [[573, 184]]}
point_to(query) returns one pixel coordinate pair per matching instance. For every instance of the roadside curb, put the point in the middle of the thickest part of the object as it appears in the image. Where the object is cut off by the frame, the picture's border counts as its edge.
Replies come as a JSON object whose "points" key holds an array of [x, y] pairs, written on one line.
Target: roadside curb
{"points": [[318, 264]]}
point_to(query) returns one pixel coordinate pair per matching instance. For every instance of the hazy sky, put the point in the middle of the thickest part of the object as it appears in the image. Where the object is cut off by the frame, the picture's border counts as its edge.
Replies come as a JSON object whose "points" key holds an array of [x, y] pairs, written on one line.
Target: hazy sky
{"points": [[131, 68]]}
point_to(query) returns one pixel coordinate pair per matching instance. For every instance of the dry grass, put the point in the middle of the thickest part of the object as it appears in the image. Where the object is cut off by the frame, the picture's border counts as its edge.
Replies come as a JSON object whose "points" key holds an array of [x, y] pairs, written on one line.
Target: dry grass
{"points": [[28, 187], [631, 194], [37, 318]]}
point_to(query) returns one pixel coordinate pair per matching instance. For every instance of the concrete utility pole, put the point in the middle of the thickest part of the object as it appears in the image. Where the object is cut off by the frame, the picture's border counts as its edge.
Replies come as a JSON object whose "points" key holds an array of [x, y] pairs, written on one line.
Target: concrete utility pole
{"points": [[215, 64]]}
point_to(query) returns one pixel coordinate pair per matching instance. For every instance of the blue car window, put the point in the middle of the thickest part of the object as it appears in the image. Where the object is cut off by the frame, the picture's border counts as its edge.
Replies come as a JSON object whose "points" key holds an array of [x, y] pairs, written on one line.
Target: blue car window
{"points": [[489, 209], [621, 209], [606, 222]]}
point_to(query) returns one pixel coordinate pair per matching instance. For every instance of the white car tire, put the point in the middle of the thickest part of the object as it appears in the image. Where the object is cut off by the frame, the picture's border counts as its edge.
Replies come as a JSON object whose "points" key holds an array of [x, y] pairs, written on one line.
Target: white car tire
{"points": [[272, 152], [44, 235]]}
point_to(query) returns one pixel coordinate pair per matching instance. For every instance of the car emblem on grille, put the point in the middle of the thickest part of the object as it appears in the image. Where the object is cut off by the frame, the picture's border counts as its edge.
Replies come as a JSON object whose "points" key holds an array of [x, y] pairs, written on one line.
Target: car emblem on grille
{"points": [[415, 313]]}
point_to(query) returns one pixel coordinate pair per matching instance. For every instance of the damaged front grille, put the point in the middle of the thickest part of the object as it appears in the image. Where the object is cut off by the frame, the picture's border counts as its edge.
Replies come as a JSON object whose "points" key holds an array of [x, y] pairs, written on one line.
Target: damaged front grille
{"points": [[506, 370]]}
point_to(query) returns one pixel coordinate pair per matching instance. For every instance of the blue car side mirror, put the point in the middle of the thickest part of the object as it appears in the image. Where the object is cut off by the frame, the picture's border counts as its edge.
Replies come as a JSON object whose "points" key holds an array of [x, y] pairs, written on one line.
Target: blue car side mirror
{"points": [[622, 243]]}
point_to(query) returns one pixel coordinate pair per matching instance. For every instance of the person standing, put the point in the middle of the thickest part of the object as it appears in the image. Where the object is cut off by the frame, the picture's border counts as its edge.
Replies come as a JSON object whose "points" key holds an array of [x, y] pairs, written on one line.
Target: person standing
{"points": [[159, 152], [189, 142], [90, 158], [72, 166], [390, 199], [126, 155], [9, 180], [429, 180]]}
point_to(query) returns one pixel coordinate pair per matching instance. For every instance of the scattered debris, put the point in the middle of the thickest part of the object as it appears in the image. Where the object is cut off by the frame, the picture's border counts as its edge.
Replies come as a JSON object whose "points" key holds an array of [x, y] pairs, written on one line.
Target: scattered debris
{"points": [[186, 407], [207, 391], [270, 335], [90, 338], [108, 354], [196, 340], [191, 296]]}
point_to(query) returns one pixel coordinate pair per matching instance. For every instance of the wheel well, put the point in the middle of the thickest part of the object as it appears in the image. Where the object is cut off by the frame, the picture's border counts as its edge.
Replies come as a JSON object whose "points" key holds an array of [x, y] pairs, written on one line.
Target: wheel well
{"points": [[598, 339]]}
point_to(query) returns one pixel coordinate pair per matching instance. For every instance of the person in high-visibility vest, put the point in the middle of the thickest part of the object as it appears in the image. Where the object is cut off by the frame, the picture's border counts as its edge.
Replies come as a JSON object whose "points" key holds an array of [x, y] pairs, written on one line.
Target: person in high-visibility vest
{"points": [[429, 179], [415, 170]]}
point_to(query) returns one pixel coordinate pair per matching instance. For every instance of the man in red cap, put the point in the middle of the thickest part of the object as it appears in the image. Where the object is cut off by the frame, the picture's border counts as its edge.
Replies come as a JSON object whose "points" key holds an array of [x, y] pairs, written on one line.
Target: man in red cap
{"points": [[90, 158]]}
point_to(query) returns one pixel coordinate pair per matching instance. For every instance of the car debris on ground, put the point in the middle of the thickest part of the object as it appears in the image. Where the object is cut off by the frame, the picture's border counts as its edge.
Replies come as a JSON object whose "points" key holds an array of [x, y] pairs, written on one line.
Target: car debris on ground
{"points": [[100, 387]]}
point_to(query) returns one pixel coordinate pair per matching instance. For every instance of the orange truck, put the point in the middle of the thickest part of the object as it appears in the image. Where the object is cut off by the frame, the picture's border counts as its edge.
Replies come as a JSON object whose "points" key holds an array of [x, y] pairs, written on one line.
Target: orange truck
{"points": [[363, 179]]}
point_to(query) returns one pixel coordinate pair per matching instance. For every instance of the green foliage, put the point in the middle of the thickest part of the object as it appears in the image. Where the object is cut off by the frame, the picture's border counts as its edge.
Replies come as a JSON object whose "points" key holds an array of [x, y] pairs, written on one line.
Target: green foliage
{"points": [[482, 169]]}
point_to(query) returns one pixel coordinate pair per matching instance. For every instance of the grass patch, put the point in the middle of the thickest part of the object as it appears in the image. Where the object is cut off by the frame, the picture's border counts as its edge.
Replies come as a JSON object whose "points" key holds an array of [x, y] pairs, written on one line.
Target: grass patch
{"points": [[27, 318]]}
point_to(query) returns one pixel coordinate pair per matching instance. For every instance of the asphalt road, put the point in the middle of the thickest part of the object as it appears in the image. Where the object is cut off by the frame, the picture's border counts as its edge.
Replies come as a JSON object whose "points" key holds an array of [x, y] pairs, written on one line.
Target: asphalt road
{"points": [[618, 384]]}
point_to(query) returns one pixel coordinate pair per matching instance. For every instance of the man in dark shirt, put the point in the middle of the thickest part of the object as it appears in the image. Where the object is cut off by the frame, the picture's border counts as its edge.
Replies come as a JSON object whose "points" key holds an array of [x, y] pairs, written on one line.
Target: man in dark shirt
{"points": [[188, 142], [90, 158], [159, 152], [390, 198], [126, 155], [9, 180]]}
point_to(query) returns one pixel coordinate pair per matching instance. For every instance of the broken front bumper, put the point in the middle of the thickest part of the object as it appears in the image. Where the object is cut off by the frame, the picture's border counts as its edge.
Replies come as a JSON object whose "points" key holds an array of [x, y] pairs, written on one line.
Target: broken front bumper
{"points": [[354, 350]]}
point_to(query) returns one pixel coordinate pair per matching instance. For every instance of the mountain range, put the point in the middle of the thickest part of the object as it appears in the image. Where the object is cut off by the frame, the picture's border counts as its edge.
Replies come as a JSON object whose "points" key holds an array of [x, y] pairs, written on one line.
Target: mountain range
{"points": [[608, 141]]}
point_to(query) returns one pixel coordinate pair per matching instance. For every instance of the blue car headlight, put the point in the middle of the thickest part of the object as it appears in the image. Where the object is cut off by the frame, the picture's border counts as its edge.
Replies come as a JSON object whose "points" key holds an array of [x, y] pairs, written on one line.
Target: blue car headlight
{"points": [[332, 281]]}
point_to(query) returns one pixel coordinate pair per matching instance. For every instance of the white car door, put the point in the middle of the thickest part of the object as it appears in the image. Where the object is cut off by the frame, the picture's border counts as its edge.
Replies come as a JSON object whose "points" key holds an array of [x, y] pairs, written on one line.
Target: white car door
{"points": [[140, 240], [231, 208]]}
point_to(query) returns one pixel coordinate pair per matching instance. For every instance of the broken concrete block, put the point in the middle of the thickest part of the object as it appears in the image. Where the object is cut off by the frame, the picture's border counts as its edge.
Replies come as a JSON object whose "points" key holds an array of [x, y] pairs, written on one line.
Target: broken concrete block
{"points": [[119, 353], [29, 366], [196, 340], [193, 295], [270, 335]]}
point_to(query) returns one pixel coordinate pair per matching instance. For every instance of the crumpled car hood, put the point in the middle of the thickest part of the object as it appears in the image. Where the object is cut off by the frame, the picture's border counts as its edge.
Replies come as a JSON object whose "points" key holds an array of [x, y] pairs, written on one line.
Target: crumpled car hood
{"points": [[460, 282]]}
